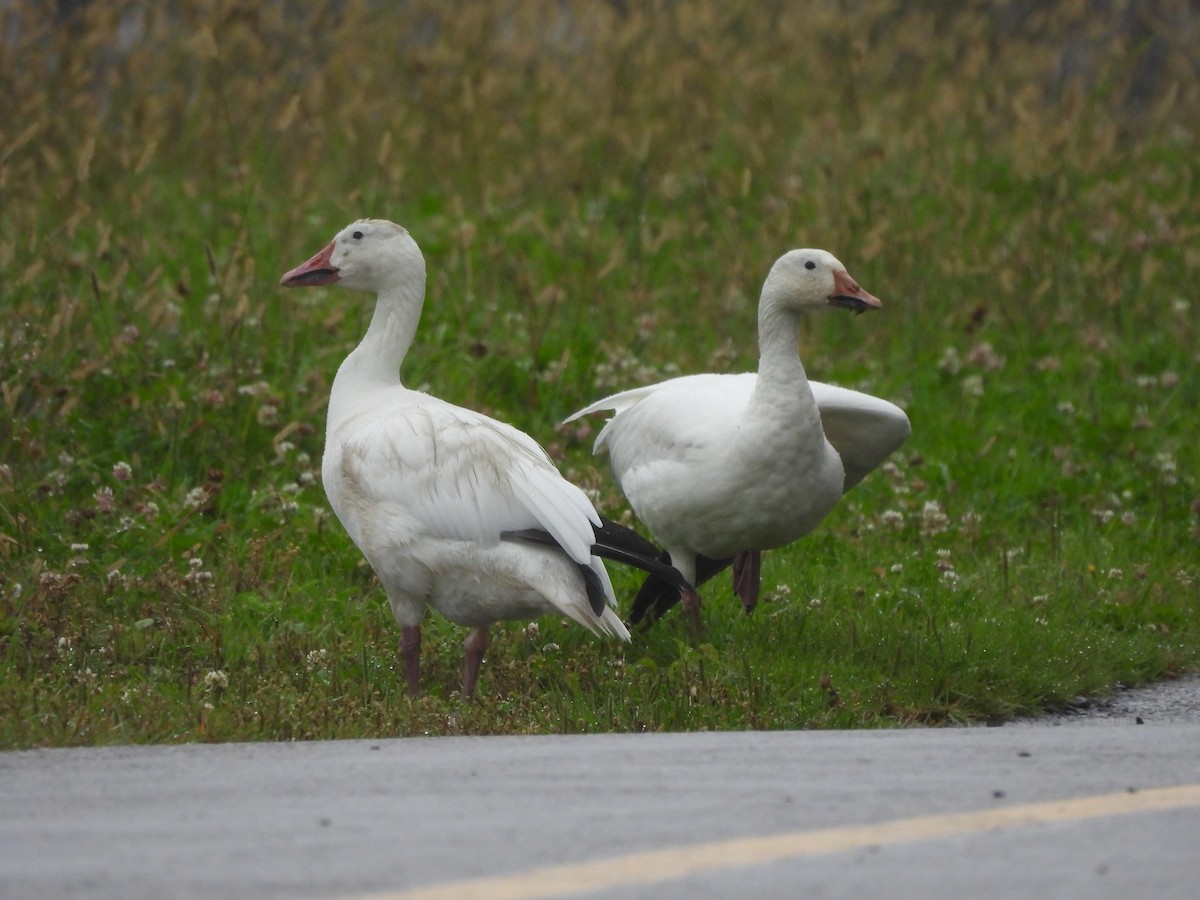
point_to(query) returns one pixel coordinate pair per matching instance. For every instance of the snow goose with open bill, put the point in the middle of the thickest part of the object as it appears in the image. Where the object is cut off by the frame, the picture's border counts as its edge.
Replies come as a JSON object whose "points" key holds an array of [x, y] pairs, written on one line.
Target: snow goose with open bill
{"points": [[722, 467], [452, 509]]}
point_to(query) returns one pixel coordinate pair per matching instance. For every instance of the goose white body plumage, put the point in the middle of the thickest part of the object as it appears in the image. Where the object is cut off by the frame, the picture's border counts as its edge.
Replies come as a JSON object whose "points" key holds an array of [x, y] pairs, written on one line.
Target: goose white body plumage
{"points": [[722, 467], [425, 490], [430, 491]]}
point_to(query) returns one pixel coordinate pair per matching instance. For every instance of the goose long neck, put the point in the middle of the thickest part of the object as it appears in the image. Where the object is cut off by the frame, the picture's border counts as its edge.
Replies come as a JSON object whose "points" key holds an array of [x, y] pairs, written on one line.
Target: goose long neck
{"points": [[779, 366], [377, 358]]}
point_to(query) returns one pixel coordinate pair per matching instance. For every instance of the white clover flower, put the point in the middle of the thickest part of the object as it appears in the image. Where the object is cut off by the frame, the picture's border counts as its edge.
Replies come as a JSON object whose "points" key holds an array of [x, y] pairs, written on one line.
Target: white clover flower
{"points": [[196, 573], [982, 355], [216, 680], [122, 471], [105, 502], [933, 518], [1166, 464], [950, 361]]}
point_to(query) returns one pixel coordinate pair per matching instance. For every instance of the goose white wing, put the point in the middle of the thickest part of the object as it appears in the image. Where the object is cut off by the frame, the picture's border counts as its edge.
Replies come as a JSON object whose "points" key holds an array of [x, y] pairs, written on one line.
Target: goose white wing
{"points": [[673, 419], [442, 471], [677, 417], [863, 429]]}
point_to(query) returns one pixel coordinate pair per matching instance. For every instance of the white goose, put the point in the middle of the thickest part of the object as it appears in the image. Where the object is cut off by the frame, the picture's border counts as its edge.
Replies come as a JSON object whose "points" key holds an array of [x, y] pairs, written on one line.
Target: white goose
{"points": [[452, 509], [722, 467]]}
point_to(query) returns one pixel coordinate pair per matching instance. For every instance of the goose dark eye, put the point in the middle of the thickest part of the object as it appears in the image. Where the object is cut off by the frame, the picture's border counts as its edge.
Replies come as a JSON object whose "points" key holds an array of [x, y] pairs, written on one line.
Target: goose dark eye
{"points": [[810, 265], [357, 235]]}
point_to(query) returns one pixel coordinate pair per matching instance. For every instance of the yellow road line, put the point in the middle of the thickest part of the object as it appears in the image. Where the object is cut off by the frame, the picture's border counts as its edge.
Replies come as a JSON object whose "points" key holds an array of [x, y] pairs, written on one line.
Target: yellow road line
{"points": [[680, 862]]}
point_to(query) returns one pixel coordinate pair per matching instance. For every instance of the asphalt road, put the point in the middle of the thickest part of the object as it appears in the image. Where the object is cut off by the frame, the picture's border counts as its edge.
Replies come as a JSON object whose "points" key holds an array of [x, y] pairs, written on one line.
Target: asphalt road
{"points": [[1098, 812]]}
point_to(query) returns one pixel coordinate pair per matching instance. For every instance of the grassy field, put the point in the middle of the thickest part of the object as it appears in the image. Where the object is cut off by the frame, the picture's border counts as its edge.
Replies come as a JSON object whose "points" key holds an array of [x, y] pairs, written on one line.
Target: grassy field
{"points": [[599, 191]]}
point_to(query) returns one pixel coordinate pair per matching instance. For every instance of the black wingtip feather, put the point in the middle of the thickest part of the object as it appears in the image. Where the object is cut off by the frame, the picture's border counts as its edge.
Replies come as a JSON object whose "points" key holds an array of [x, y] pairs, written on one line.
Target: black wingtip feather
{"points": [[650, 594], [619, 544], [623, 545], [595, 590], [655, 597]]}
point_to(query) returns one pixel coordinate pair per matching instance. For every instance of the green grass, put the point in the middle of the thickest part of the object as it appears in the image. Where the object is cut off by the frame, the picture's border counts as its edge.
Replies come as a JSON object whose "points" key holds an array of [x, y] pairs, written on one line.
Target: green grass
{"points": [[599, 197]]}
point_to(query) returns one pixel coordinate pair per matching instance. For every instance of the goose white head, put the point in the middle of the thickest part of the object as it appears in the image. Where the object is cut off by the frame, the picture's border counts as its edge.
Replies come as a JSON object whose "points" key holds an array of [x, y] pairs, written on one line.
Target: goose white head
{"points": [[367, 255], [802, 279]]}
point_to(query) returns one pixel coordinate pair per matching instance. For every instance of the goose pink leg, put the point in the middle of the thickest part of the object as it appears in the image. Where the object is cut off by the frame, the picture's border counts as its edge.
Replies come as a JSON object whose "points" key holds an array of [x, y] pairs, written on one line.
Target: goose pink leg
{"points": [[410, 652], [747, 578], [690, 601], [475, 645]]}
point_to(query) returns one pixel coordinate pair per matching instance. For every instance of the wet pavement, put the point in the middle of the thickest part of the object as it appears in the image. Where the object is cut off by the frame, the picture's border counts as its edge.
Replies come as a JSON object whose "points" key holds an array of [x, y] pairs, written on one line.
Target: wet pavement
{"points": [[1106, 811]]}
